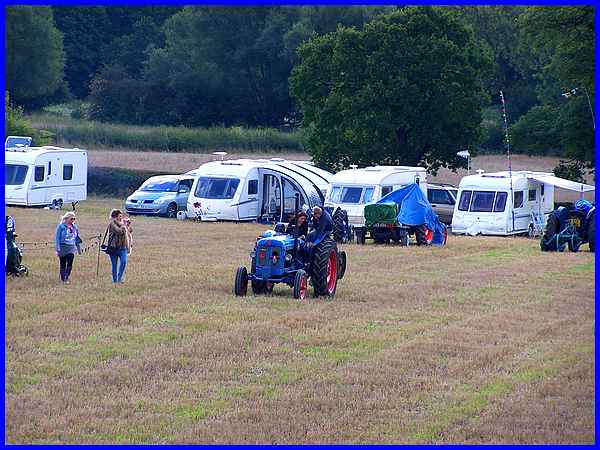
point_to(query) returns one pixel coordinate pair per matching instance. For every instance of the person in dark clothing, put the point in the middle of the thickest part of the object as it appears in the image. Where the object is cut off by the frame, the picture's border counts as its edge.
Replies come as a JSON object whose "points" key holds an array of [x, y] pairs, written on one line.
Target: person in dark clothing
{"points": [[68, 243], [322, 224], [301, 220]]}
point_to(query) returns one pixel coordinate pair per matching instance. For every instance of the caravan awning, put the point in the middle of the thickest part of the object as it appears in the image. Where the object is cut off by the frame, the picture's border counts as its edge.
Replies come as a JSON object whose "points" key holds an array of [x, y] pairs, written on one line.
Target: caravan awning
{"points": [[562, 183]]}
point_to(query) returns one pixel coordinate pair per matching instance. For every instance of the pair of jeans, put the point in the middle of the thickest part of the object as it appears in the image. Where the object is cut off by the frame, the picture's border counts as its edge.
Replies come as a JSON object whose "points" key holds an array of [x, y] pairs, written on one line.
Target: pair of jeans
{"points": [[66, 265], [119, 262]]}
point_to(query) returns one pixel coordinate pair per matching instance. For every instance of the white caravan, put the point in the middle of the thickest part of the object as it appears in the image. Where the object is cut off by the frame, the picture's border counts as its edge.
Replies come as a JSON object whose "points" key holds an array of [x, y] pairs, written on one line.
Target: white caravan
{"points": [[352, 189], [255, 189], [40, 176], [485, 205]]}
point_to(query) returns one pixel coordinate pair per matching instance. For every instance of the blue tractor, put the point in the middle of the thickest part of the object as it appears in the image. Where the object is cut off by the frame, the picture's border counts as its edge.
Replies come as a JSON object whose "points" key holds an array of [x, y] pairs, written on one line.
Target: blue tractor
{"points": [[570, 227], [281, 256]]}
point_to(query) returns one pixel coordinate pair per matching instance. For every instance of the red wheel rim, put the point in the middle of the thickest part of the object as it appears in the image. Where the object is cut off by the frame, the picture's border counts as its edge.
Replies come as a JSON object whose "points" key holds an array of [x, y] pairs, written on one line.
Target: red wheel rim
{"points": [[331, 272], [428, 235], [303, 287]]}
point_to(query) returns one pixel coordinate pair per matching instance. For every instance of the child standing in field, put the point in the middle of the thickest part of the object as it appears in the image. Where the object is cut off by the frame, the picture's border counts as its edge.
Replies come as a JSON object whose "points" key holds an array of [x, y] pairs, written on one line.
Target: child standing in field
{"points": [[119, 243], [68, 243]]}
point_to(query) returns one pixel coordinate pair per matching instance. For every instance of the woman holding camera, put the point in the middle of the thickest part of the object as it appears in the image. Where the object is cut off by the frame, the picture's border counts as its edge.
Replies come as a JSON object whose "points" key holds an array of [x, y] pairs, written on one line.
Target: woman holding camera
{"points": [[119, 243]]}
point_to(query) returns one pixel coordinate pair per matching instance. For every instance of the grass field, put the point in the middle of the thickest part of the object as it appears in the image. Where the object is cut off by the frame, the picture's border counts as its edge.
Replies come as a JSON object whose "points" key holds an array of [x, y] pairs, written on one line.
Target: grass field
{"points": [[486, 340]]}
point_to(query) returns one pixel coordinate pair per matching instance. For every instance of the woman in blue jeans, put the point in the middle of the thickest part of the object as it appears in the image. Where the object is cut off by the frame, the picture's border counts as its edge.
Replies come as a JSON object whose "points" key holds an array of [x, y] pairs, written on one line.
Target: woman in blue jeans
{"points": [[119, 241]]}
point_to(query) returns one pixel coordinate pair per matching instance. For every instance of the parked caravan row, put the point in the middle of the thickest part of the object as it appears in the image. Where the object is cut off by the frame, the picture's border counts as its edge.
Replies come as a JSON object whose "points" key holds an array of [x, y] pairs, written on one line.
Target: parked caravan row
{"points": [[506, 203], [41, 176]]}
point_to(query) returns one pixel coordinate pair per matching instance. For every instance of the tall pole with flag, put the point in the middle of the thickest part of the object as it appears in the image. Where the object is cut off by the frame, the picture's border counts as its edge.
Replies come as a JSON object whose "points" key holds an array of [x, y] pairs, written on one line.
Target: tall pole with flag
{"points": [[507, 146]]}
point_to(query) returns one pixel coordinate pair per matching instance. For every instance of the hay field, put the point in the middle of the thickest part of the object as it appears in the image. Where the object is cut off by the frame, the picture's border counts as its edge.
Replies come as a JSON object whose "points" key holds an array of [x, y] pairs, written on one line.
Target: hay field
{"points": [[182, 162], [486, 340]]}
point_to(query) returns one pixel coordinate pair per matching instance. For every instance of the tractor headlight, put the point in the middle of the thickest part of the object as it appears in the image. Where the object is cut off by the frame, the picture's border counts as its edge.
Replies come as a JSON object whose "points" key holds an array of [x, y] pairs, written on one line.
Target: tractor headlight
{"points": [[288, 257]]}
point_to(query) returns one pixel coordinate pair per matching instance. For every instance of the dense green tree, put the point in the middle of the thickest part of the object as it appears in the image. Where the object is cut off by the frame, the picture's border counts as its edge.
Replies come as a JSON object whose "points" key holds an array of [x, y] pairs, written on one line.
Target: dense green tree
{"points": [[538, 132], [34, 53], [562, 43], [407, 90]]}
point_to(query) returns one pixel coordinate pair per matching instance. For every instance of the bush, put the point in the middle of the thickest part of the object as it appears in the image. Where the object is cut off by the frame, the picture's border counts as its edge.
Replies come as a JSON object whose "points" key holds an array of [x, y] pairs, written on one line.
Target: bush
{"points": [[15, 124], [114, 182]]}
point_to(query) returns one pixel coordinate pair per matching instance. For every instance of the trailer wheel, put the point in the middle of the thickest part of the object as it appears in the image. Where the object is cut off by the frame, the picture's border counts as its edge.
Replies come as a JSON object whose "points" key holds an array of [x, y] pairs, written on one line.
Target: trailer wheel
{"points": [[591, 232], [361, 236], [341, 264], [241, 282], [300, 285], [423, 235], [324, 268]]}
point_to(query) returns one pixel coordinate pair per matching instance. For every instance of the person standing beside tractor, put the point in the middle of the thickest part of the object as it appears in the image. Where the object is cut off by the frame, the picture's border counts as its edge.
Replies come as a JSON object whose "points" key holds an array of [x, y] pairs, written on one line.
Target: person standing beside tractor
{"points": [[68, 243], [119, 243]]}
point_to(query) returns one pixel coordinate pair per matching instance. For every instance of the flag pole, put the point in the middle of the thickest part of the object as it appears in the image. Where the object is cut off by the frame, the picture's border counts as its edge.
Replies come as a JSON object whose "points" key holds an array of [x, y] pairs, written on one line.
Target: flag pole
{"points": [[507, 145]]}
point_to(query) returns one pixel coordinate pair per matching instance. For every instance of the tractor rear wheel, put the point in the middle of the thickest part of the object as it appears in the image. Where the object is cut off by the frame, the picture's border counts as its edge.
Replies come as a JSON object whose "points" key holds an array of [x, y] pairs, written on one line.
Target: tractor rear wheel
{"points": [[552, 228], [241, 282], [591, 232], [324, 268], [341, 264], [300, 285]]}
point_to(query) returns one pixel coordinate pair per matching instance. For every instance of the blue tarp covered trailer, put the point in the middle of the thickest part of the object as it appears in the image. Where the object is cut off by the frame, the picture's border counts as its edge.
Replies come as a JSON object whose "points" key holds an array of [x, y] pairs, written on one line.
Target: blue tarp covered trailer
{"points": [[414, 209]]}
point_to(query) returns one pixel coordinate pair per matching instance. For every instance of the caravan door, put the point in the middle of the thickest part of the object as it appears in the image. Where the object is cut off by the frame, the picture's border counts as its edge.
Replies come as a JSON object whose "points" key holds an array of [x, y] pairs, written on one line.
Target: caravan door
{"points": [[271, 203], [249, 198], [521, 211]]}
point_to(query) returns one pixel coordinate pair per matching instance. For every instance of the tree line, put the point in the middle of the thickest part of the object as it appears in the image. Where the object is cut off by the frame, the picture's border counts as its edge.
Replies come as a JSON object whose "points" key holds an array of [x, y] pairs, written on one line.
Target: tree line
{"points": [[367, 84]]}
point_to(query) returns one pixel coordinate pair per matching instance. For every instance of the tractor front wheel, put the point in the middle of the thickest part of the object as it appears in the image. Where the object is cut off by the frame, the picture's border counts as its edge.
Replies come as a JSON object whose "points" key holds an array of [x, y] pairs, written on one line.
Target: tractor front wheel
{"points": [[241, 282], [300, 285], [325, 268]]}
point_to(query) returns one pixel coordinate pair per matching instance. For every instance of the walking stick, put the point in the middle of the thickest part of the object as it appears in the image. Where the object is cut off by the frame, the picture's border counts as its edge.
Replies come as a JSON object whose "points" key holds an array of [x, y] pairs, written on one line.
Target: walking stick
{"points": [[98, 256]]}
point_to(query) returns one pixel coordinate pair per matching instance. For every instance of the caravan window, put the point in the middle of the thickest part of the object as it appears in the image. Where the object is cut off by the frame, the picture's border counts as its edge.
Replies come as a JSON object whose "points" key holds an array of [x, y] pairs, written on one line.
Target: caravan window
{"points": [[14, 174], [465, 200], [335, 194], [500, 203], [216, 188], [252, 187], [368, 197], [531, 197], [482, 201], [38, 175], [68, 172], [351, 194], [518, 199], [385, 190]]}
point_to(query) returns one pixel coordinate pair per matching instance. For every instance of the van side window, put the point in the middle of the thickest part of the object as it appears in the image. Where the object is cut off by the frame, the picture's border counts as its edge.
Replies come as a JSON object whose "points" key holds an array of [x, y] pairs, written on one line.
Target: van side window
{"points": [[39, 173], [500, 203], [68, 172], [385, 190], [531, 197], [252, 187], [439, 196], [518, 199], [465, 200]]}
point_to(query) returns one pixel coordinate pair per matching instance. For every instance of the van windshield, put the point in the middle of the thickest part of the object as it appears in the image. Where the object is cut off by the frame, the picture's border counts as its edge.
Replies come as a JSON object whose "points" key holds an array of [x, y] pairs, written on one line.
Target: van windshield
{"points": [[14, 174], [216, 188], [160, 185]]}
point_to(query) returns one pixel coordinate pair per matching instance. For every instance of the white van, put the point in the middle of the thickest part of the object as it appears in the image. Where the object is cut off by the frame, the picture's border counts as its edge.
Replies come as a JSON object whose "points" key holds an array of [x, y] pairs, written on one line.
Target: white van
{"points": [[255, 189], [352, 189], [485, 205], [40, 176]]}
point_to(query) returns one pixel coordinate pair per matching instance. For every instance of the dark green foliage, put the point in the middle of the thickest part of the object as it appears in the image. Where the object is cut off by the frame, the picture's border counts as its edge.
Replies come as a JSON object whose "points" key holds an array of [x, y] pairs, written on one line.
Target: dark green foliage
{"points": [[114, 182], [570, 170], [34, 54], [407, 90], [15, 124], [538, 132]]}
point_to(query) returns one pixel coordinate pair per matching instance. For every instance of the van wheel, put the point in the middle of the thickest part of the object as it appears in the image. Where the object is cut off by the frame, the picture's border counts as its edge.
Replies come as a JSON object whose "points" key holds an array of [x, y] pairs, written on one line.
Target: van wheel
{"points": [[172, 211]]}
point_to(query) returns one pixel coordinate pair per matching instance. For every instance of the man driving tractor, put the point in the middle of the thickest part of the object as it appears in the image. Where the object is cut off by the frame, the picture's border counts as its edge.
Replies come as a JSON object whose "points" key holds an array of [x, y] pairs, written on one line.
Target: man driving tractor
{"points": [[322, 226]]}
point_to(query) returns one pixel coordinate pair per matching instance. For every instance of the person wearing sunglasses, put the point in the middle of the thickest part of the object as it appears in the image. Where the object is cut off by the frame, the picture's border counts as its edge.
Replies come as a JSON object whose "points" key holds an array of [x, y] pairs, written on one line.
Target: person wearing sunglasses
{"points": [[68, 243]]}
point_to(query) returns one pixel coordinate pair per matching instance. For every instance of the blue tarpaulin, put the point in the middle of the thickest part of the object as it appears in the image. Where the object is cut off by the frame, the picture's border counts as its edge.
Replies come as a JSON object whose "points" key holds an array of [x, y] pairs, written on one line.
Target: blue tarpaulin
{"points": [[415, 209]]}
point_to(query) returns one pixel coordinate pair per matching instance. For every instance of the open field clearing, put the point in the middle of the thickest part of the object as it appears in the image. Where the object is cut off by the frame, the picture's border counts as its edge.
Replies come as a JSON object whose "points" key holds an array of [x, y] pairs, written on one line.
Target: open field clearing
{"points": [[486, 340], [182, 162]]}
